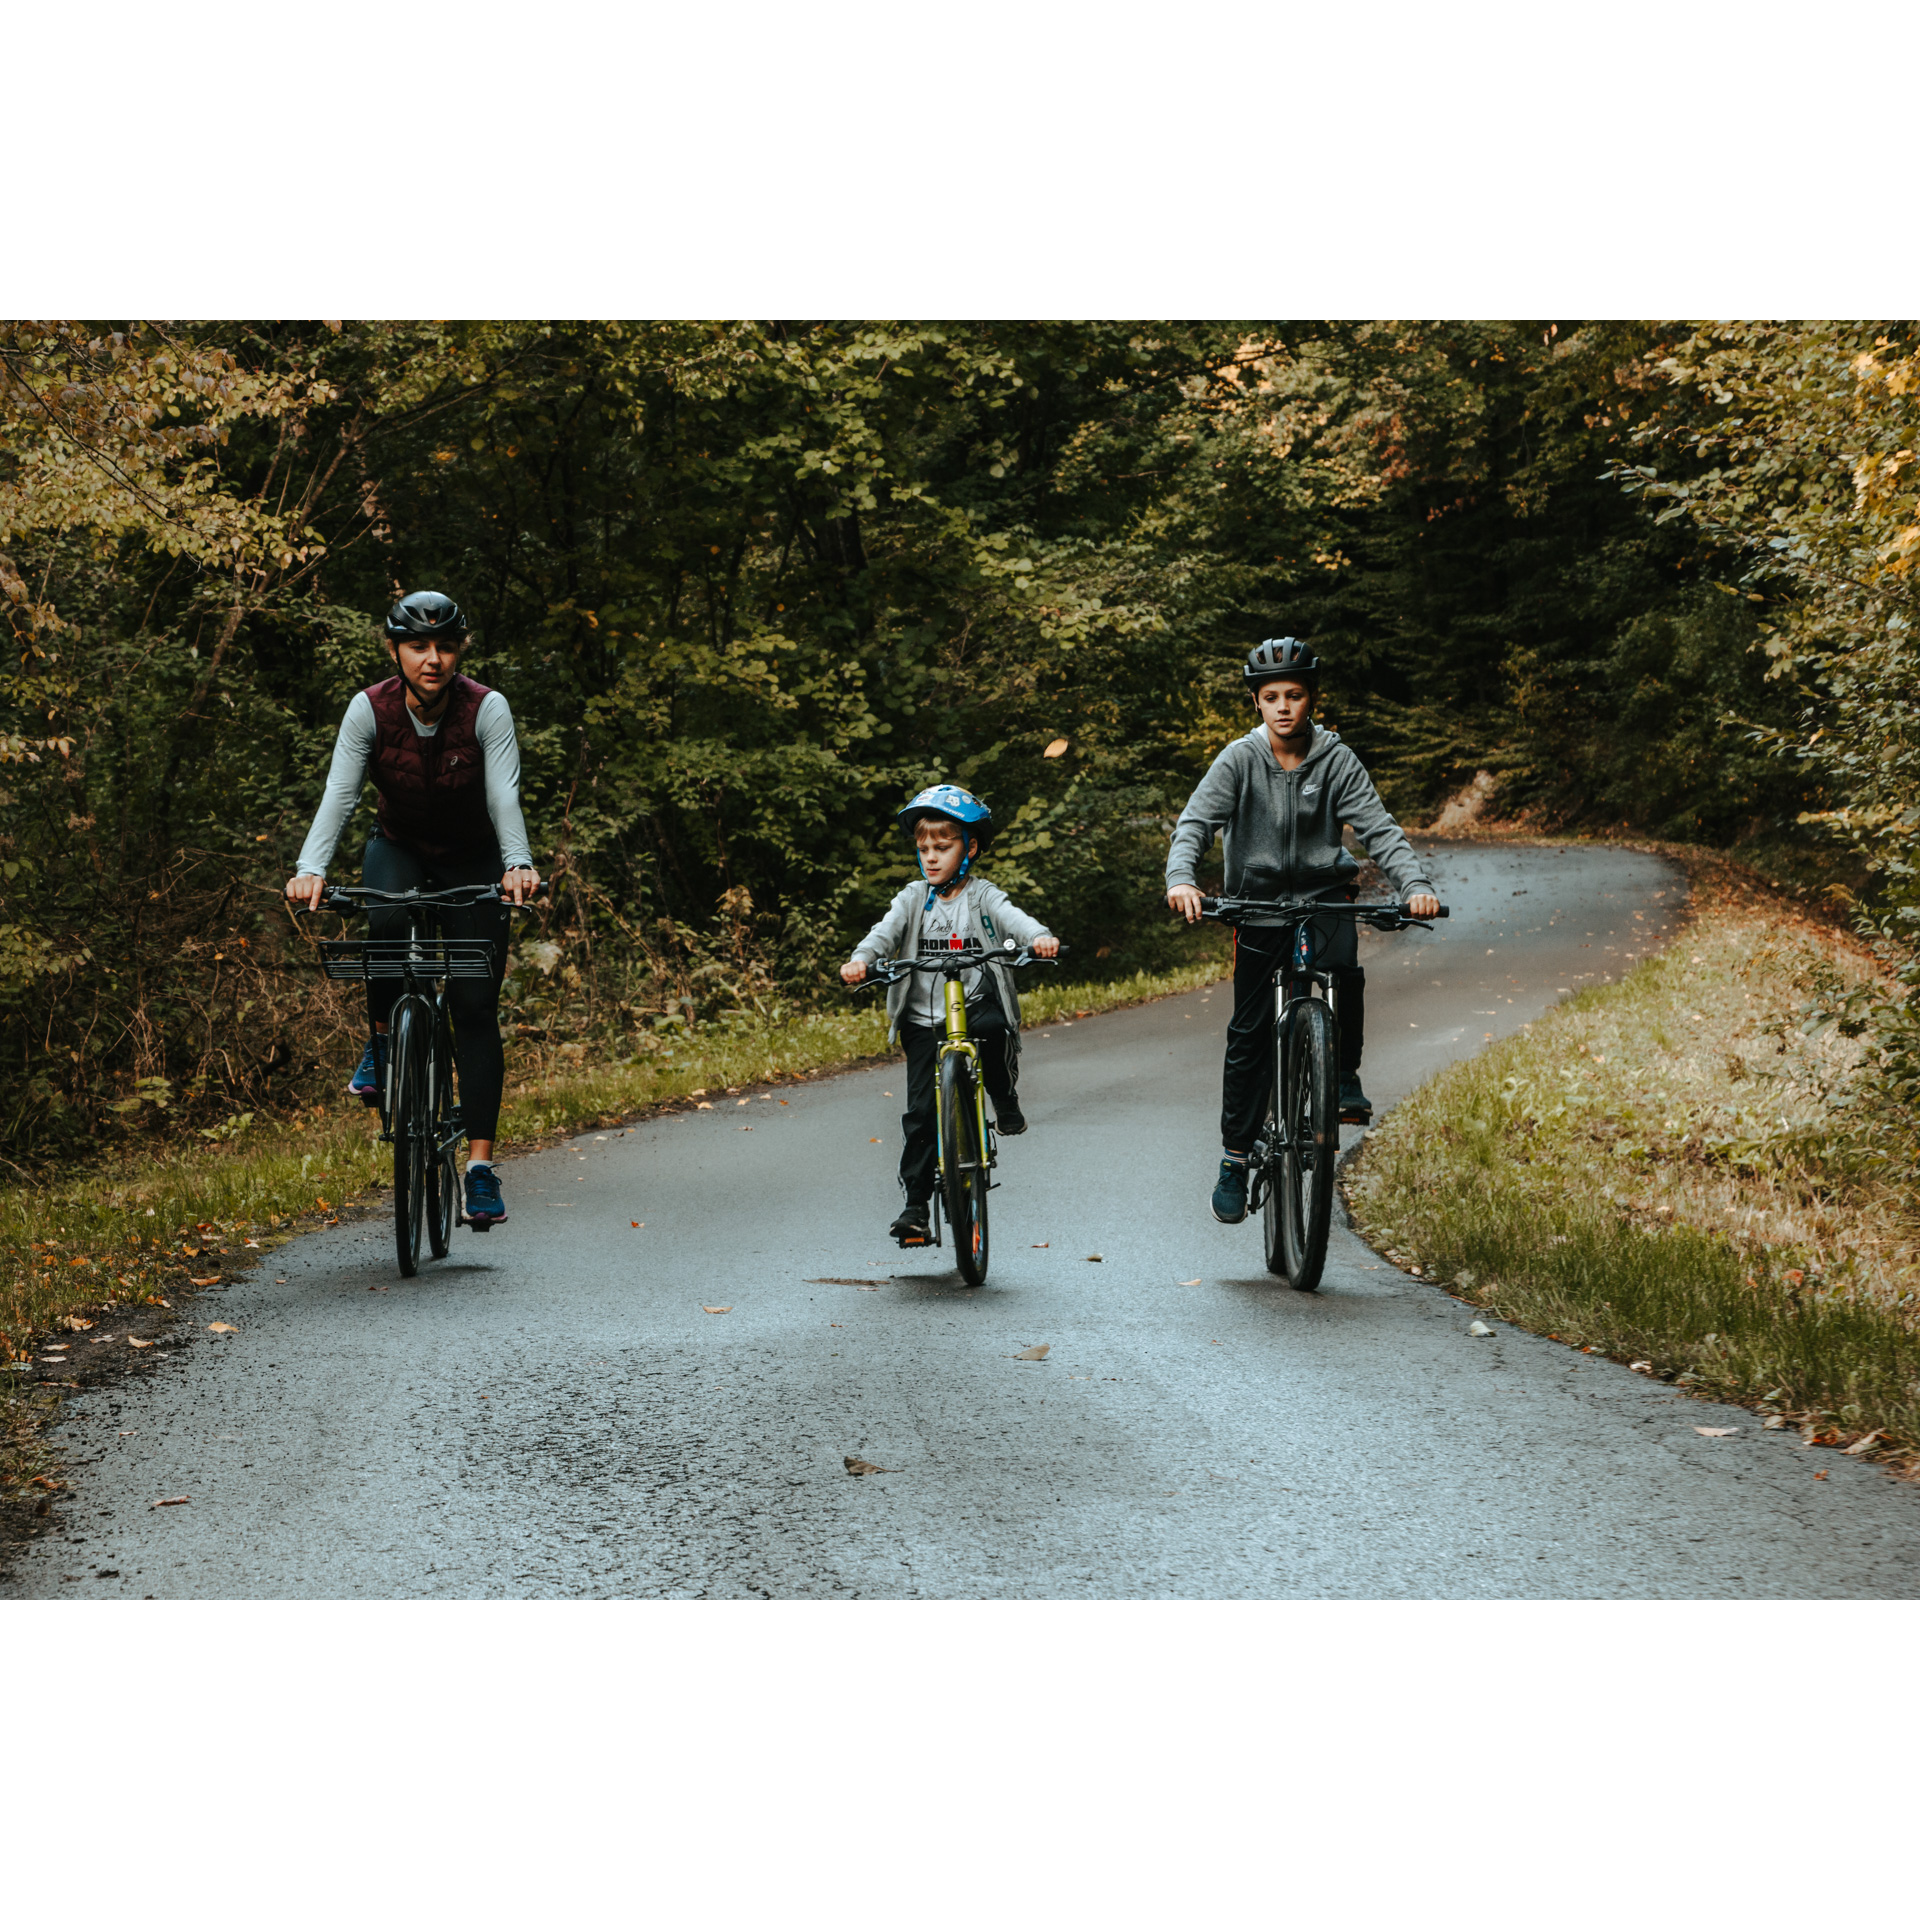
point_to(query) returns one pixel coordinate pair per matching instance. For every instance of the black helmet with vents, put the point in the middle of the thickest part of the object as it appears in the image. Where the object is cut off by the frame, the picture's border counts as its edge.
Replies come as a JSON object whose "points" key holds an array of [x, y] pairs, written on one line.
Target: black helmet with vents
{"points": [[1281, 660], [426, 613]]}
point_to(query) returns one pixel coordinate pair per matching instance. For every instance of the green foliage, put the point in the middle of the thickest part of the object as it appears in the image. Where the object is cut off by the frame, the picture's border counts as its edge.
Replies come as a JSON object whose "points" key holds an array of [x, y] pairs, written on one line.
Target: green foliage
{"points": [[746, 586]]}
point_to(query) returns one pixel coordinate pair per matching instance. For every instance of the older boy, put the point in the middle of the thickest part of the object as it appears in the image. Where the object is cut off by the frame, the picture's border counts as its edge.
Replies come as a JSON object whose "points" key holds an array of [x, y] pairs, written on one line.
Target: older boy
{"points": [[1280, 795], [949, 903]]}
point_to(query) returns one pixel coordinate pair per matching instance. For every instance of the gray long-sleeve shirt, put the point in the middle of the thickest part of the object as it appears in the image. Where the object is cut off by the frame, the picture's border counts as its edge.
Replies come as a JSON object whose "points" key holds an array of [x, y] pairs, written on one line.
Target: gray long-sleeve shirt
{"points": [[1281, 830], [500, 750], [979, 915]]}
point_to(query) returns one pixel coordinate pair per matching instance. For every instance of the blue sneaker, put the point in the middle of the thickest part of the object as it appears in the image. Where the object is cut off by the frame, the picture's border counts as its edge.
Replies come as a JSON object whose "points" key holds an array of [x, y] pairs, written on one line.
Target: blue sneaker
{"points": [[1230, 1195], [486, 1204], [372, 1069]]}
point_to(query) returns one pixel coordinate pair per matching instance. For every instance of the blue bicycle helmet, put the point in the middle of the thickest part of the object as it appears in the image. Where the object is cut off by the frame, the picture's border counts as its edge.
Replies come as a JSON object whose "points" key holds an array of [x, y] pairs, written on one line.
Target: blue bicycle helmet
{"points": [[973, 817]]}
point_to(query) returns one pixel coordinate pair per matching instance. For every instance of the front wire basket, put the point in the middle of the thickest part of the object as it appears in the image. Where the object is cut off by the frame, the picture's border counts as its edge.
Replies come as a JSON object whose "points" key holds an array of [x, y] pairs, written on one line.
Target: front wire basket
{"points": [[427, 959]]}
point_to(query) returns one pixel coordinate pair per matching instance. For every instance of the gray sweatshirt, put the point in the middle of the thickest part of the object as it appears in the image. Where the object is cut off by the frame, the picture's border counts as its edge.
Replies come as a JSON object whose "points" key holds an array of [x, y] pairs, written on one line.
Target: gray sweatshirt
{"points": [[1282, 830], [991, 919]]}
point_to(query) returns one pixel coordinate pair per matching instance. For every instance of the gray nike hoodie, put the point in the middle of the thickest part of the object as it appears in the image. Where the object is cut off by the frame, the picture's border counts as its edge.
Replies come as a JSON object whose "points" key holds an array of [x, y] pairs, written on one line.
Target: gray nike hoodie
{"points": [[1282, 830]]}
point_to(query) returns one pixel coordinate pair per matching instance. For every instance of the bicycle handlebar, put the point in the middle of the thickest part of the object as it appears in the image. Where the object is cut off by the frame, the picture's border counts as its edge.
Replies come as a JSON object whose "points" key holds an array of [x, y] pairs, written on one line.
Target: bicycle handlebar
{"points": [[882, 973], [1388, 916], [358, 899]]}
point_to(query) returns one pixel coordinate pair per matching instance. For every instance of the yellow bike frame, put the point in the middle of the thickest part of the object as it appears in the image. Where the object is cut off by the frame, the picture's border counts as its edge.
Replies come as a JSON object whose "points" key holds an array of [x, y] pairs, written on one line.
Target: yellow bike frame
{"points": [[957, 1042]]}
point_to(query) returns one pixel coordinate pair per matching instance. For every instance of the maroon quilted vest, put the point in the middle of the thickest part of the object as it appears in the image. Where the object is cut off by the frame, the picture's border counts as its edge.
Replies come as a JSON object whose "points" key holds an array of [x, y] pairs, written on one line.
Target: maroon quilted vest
{"points": [[433, 793]]}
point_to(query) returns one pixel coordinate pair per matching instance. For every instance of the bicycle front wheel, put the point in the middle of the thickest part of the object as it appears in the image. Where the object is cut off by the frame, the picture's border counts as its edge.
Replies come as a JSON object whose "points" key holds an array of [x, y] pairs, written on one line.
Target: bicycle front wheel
{"points": [[410, 1120], [963, 1167], [443, 1179], [1308, 1088]]}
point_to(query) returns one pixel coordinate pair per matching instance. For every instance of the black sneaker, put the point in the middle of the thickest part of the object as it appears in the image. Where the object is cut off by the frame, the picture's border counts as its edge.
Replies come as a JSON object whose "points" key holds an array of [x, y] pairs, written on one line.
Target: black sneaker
{"points": [[1007, 1117], [1354, 1105], [1230, 1194], [914, 1228]]}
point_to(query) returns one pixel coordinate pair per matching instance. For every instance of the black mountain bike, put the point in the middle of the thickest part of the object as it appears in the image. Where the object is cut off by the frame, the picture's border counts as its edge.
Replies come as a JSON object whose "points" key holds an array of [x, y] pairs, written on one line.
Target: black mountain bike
{"points": [[419, 1102], [965, 1150], [1290, 1172]]}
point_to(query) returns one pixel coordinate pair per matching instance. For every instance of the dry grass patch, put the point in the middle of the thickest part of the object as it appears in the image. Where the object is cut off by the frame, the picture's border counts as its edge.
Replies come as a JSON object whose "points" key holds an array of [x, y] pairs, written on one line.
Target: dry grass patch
{"points": [[1663, 1170]]}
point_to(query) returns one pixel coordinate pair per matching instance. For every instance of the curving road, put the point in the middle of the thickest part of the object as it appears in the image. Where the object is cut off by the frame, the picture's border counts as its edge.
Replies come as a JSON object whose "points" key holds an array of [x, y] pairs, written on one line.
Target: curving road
{"points": [[556, 1410]]}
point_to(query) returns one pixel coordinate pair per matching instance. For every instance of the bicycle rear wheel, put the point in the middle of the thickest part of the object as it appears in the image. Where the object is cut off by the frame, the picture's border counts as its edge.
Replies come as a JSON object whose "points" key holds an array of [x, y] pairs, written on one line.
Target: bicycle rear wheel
{"points": [[963, 1168], [410, 1121], [1308, 1083], [443, 1180]]}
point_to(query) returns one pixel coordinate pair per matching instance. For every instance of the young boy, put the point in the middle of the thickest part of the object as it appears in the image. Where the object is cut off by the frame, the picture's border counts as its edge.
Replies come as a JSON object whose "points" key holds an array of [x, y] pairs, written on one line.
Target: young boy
{"points": [[1279, 795], [949, 827]]}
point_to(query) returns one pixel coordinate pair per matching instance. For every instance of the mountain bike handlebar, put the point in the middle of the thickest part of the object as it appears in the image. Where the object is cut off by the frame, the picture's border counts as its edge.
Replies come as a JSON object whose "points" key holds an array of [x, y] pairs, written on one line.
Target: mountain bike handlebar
{"points": [[882, 973], [359, 899], [1389, 916]]}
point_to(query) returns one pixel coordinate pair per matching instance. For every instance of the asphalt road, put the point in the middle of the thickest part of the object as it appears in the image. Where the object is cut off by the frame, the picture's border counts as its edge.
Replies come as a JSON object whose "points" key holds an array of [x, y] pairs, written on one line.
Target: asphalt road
{"points": [[559, 1409]]}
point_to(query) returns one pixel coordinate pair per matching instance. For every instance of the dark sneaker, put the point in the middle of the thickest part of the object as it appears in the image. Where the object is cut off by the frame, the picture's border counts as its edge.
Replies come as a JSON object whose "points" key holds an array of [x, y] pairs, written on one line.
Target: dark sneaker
{"points": [[1230, 1194], [1007, 1117], [370, 1072], [486, 1204], [1354, 1105], [914, 1228]]}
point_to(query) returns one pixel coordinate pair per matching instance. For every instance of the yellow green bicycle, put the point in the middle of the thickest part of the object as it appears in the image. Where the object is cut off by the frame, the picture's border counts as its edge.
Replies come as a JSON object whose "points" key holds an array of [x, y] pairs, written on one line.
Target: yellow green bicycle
{"points": [[965, 1151]]}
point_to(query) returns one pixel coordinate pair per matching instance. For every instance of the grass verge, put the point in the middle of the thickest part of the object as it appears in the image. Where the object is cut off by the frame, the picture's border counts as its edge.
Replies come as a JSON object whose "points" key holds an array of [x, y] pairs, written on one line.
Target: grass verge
{"points": [[143, 1231], [1660, 1171]]}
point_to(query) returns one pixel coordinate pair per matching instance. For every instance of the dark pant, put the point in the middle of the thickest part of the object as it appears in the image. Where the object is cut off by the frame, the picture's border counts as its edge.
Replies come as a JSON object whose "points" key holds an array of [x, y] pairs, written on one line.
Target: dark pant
{"points": [[474, 1004], [1248, 1079], [999, 1067]]}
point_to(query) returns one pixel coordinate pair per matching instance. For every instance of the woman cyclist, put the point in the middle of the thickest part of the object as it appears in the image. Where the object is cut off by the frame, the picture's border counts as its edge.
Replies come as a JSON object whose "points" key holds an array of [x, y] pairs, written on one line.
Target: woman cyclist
{"points": [[442, 755]]}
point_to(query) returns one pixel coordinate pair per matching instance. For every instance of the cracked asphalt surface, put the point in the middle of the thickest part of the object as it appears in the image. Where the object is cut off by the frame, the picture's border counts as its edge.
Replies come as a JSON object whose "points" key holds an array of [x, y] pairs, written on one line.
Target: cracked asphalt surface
{"points": [[554, 1411]]}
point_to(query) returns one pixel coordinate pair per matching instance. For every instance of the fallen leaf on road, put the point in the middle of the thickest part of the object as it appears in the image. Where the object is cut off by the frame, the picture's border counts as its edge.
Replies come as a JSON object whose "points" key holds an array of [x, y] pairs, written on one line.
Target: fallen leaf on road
{"points": [[716, 1309], [706, 1106], [637, 1223], [213, 1282], [220, 1326], [174, 1500], [1189, 1283], [1866, 1443], [1822, 1474], [74, 1324], [1641, 1366], [856, 1465], [1775, 1421], [1717, 1433], [1096, 1258], [1480, 1331], [1043, 1243], [786, 1103], [743, 1129], [1033, 1353], [41, 1480], [132, 1342], [875, 1141]]}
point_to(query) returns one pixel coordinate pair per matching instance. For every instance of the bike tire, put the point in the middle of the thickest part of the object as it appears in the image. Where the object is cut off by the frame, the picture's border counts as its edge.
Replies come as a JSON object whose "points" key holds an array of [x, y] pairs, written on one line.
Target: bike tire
{"points": [[963, 1168], [443, 1178], [1308, 1081], [409, 1121]]}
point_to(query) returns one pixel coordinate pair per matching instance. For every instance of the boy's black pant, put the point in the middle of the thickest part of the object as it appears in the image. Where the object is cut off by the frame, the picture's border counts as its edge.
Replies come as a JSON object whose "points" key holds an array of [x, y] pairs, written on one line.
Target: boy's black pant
{"points": [[473, 1004], [999, 1066], [1248, 1079]]}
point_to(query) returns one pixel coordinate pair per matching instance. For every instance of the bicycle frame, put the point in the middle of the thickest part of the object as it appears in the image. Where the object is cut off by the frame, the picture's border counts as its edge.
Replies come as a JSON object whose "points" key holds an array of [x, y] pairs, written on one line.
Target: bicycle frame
{"points": [[1294, 982], [953, 968], [957, 1042]]}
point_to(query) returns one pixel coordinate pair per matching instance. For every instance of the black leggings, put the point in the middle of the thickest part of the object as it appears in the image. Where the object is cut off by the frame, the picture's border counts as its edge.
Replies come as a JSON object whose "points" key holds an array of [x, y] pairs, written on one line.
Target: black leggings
{"points": [[999, 1067], [1249, 1068], [474, 1004]]}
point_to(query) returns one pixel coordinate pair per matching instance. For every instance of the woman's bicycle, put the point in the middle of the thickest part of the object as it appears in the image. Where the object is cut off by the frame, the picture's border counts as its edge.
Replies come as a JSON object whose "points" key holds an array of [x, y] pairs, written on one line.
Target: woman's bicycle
{"points": [[419, 1101], [965, 1150], [1291, 1169]]}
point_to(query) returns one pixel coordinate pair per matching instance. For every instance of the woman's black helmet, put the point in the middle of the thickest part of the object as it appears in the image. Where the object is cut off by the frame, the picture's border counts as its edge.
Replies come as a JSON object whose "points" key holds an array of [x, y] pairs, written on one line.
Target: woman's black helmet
{"points": [[1281, 660], [420, 614]]}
